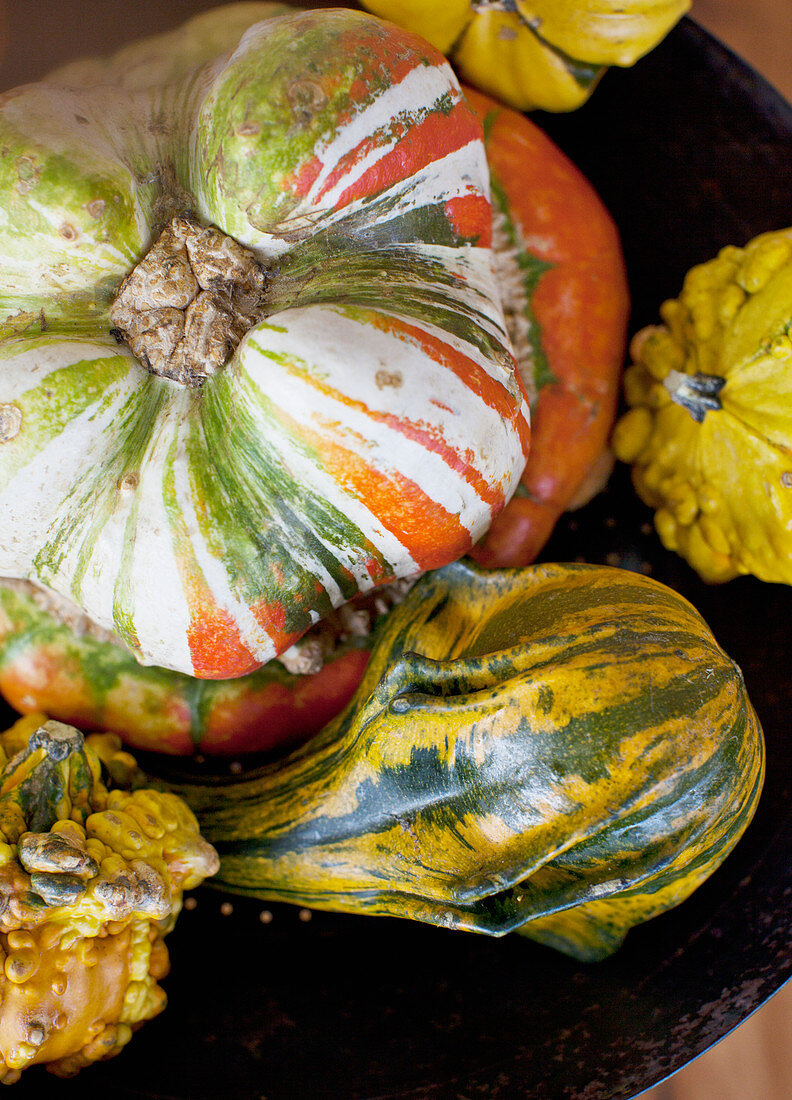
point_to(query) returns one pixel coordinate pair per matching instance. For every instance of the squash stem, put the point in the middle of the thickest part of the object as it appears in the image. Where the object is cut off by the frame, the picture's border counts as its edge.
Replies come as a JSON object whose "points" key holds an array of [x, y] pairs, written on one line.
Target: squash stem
{"points": [[185, 307], [698, 393]]}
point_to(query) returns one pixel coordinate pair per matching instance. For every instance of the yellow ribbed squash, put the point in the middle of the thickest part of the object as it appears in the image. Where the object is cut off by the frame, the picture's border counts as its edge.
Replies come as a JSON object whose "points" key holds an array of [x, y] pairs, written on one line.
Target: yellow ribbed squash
{"points": [[709, 433], [537, 53]]}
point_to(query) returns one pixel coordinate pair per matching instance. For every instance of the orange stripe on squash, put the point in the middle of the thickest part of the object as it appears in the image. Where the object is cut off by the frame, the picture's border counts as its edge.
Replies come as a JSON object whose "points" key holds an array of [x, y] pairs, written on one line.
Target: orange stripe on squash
{"points": [[471, 218], [272, 618], [216, 647], [431, 534], [420, 144], [476, 379], [490, 392]]}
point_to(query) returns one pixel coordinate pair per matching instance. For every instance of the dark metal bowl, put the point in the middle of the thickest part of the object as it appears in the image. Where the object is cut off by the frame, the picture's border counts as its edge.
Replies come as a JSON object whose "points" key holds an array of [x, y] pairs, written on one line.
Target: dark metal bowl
{"points": [[691, 150]]}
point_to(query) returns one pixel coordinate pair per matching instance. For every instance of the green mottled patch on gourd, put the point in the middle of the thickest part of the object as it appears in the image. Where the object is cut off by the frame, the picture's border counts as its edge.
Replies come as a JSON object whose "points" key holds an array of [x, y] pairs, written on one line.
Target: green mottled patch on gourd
{"points": [[390, 279], [545, 700], [567, 786], [241, 521], [90, 507], [71, 217], [249, 140], [104, 668], [23, 323], [32, 627], [198, 701], [268, 114]]}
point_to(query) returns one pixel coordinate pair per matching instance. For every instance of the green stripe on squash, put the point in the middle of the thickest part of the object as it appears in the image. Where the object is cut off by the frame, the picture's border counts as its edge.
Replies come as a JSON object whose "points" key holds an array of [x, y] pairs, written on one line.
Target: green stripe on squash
{"points": [[563, 750]]}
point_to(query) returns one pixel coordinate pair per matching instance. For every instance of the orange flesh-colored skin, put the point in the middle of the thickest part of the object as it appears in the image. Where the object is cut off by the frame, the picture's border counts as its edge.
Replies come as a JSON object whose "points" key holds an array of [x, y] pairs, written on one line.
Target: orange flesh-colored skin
{"points": [[285, 715], [242, 718], [581, 305], [92, 996]]}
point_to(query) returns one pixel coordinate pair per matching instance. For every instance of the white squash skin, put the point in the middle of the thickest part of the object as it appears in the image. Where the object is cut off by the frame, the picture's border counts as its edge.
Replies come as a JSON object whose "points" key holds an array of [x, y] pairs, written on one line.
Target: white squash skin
{"points": [[154, 535]]}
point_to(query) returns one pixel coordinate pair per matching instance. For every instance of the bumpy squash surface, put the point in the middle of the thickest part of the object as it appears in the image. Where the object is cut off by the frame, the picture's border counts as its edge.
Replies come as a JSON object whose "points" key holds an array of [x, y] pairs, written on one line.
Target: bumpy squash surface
{"points": [[709, 434], [91, 880], [563, 751]]}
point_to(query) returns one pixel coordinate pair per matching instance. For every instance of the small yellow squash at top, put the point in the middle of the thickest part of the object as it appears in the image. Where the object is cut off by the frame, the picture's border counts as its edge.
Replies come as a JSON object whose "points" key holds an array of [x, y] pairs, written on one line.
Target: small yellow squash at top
{"points": [[546, 54], [709, 433]]}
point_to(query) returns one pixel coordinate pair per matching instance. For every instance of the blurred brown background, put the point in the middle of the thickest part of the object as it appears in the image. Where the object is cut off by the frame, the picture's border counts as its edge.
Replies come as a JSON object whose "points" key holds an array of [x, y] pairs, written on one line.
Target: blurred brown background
{"points": [[755, 1061], [761, 32]]}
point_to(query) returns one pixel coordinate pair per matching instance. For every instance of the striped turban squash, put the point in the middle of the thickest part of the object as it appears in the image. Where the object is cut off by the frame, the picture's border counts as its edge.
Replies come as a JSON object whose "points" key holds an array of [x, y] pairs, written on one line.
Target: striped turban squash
{"points": [[253, 356]]}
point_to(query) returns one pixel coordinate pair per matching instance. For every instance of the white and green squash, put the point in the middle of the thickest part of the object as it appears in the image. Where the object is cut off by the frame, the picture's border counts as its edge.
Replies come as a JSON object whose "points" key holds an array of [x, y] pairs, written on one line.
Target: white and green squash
{"points": [[252, 355]]}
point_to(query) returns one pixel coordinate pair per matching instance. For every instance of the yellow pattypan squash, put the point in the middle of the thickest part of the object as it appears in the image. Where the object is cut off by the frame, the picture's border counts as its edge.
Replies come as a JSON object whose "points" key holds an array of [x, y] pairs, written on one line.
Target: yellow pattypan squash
{"points": [[709, 433], [546, 54]]}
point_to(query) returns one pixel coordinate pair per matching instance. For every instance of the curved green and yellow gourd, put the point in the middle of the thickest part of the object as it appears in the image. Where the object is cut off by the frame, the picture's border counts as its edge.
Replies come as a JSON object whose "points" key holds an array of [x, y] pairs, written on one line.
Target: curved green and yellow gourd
{"points": [[709, 431], [91, 880], [562, 751], [548, 54], [252, 354]]}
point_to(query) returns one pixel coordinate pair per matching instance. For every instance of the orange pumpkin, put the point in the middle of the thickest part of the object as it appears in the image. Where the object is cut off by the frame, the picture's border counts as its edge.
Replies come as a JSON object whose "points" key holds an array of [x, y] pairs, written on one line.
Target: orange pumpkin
{"points": [[578, 304]]}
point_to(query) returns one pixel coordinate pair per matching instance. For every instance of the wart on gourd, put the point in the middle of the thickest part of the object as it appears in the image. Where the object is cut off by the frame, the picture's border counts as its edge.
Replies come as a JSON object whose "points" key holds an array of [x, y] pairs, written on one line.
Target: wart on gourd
{"points": [[186, 306], [10, 422]]}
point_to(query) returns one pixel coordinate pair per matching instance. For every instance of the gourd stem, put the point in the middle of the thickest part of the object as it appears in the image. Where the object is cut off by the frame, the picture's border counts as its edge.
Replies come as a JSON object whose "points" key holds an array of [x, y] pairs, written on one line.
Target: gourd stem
{"points": [[185, 307], [698, 393]]}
